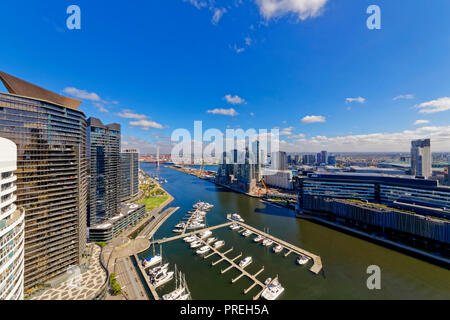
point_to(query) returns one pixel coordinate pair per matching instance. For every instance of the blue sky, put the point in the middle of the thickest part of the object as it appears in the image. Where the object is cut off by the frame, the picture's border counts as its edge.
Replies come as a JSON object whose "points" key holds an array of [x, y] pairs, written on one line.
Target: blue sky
{"points": [[154, 66]]}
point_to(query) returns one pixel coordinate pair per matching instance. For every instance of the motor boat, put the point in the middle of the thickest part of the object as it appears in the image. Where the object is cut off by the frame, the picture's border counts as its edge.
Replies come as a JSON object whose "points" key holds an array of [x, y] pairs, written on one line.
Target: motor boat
{"points": [[268, 280], [177, 230], [184, 297], [196, 244], [180, 225], [246, 233], [277, 248], [237, 217], [205, 234], [234, 226], [218, 244], [258, 239], [157, 269], [166, 277], [203, 250], [195, 225], [245, 262], [267, 243], [190, 239], [210, 240], [301, 260], [272, 291], [152, 261], [157, 274]]}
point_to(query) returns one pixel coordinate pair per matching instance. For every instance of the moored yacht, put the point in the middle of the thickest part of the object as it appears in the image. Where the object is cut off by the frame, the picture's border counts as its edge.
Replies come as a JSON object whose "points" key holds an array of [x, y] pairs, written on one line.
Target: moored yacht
{"points": [[234, 226], [205, 234], [196, 244], [237, 217], [190, 239], [267, 242], [245, 262], [174, 295], [218, 244], [259, 238], [210, 240], [272, 291], [203, 250], [301, 260], [166, 277], [152, 261], [277, 248], [158, 269], [246, 233]]}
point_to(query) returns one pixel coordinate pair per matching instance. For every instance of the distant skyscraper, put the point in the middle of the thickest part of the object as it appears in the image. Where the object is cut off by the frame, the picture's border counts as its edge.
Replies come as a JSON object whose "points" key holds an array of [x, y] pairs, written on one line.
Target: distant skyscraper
{"points": [[324, 157], [12, 227], [421, 158], [104, 165], [129, 174], [50, 134], [279, 160], [447, 176]]}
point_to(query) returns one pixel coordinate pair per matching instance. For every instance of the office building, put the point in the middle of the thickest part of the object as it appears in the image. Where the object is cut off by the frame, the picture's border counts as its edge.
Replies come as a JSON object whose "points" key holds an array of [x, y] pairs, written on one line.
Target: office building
{"points": [[12, 227], [331, 160], [421, 158], [278, 178], [129, 174], [309, 159], [323, 157], [50, 134], [447, 176], [104, 167]]}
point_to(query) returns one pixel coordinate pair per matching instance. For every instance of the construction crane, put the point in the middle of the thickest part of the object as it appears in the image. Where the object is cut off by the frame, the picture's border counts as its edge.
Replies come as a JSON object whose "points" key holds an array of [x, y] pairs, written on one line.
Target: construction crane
{"points": [[265, 186]]}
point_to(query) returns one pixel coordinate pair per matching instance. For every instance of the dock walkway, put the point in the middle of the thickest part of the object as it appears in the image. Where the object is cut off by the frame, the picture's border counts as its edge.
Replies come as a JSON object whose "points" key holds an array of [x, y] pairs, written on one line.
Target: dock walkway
{"points": [[316, 267]]}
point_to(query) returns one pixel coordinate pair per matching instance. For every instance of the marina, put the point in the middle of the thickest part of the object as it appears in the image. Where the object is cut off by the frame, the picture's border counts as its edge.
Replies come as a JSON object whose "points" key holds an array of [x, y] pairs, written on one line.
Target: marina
{"points": [[345, 258]]}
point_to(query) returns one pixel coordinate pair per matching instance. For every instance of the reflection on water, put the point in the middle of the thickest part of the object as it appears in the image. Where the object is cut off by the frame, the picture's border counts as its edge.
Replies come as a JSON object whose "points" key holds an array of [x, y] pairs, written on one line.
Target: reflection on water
{"points": [[345, 258]]}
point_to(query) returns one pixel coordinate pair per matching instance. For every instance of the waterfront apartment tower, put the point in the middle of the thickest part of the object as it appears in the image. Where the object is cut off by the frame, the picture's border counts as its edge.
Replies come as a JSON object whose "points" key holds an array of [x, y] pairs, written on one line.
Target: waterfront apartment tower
{"points": [[129, 174], [421, 158], [104, 167], [279, 160], [12, 227], [50, 134]]}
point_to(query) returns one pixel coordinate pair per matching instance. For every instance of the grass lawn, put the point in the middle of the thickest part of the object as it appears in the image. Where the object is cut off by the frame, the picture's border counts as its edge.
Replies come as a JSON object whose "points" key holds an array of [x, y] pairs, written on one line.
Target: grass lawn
{"points": [[153, 202]]}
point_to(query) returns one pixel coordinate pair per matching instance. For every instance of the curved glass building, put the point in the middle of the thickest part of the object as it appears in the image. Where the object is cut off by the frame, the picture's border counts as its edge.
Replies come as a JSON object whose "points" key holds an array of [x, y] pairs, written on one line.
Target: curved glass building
{"points": [[11, 227]]}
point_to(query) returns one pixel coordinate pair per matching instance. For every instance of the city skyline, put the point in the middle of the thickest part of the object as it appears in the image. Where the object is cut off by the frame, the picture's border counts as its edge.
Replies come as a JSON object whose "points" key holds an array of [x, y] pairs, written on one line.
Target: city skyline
{"points": [[260, 79]]}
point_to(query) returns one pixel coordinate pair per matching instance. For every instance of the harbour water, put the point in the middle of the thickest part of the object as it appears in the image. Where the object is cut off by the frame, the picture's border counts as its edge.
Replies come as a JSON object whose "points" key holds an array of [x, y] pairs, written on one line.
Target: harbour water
{"points": [[345, 258]]}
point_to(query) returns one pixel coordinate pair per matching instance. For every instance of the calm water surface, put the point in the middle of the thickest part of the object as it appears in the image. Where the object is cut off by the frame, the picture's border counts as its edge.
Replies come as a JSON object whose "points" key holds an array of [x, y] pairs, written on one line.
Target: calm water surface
{"points": [[345, 258]]}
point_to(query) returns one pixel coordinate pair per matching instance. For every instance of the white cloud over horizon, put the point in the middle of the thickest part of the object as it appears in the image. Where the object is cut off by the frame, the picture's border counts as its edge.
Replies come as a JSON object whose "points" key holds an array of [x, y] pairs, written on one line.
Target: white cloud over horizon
{"points": [[313, 119], [146, 124], [128, 114], [434, 106]]}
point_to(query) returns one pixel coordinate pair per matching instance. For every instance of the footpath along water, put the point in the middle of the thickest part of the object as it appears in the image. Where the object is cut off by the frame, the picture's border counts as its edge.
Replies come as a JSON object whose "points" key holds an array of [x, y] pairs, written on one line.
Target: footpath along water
{"points": [[345, 258]]}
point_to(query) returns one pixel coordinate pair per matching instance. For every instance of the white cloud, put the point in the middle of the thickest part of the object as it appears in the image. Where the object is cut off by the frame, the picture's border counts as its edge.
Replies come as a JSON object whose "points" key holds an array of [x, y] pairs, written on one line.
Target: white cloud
{"points": [[128, 114], [252, 114], [197, 3], [248, 41], [218, 13], [82, 94], [237, 49], [404, 96], [419, 122], [226, 112], [433, 106], [373, 142], [146, 124], [359, 100], [101, 107], [234, 99], [286, 131], [313, 119], [304, 9]]}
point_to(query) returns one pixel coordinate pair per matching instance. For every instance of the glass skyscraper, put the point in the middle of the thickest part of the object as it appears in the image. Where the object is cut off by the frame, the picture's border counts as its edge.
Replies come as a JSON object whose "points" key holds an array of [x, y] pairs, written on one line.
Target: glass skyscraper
{"points": [[129, 174], [104, 165], [50, 134]]}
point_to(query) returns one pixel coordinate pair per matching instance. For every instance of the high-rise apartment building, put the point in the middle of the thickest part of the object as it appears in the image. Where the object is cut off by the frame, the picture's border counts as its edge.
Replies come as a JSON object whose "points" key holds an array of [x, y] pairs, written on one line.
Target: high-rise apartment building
{"points": [[129, 174], [421, 158], [50, 134], [12, 227], [104, 167], [279, 160], [324, 157]]}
